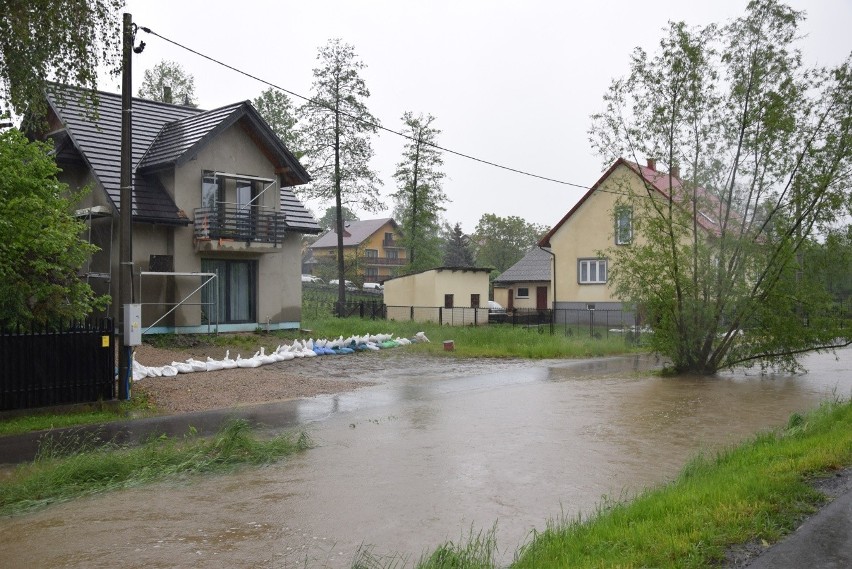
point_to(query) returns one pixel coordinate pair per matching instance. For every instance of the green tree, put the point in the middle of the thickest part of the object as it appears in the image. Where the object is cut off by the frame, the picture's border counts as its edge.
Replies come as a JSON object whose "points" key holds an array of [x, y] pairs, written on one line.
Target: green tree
{"points": [[457, 247], [40, 246], [277, 110], [337, 128], [419, 196], [60, 40], [500, 242], [762, 146], [328, 221], [172, 75]]}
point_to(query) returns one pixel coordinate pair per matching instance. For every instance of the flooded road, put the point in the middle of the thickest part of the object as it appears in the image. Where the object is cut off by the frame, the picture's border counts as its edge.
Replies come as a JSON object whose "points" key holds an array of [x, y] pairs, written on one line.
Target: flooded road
{"points": [[427, 457]]}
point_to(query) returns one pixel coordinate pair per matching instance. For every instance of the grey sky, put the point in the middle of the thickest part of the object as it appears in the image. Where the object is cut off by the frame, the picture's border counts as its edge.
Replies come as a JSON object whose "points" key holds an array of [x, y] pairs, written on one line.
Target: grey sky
{"points": [[509, 82]]}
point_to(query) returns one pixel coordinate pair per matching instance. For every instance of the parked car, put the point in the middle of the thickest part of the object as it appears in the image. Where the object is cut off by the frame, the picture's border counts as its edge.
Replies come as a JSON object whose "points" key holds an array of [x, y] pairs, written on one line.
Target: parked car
{"points": [[311, 279], [373, 287], [496, 313], [349, 285]]}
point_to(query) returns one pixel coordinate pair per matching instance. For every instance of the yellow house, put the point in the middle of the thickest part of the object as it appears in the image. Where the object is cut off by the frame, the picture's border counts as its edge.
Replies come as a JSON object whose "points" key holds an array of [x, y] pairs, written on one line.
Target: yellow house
{"points": [[601, 219], [372, 250], [447, 295]]}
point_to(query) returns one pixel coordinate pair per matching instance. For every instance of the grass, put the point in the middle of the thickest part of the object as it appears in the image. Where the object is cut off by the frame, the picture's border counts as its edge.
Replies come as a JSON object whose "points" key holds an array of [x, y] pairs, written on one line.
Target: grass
{"points": [[100, 412], [69, 468], [756, 491], [492, 341]]}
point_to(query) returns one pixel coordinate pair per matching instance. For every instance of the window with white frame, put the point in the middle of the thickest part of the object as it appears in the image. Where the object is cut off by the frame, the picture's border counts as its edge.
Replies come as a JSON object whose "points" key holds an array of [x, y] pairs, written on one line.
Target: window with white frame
{"points": [[623, 225], [523, 292], [591, 271]]}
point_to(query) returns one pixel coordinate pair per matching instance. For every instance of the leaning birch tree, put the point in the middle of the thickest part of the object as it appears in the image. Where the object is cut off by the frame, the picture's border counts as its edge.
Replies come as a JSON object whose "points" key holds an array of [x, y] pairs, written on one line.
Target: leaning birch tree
{"points": [[758, 148], [419, 196], [336, 132]]}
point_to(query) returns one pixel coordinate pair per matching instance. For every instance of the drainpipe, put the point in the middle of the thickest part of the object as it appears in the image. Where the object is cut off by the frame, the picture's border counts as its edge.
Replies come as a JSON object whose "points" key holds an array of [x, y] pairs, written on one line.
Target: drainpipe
{"points": [[553, 278]]}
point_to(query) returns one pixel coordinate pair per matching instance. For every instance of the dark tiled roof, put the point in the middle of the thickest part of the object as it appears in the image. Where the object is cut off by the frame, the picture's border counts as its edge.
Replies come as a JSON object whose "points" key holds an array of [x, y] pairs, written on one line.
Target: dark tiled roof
{"points": [[175, 139], [100, 145], [356, 232], [165, 136], [296, 215], [534, 266]]}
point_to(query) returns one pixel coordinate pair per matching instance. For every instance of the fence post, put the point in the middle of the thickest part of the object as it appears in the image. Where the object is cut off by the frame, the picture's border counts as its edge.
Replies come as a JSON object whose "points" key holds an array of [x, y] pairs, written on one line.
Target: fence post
{"points": [[440, 316]]}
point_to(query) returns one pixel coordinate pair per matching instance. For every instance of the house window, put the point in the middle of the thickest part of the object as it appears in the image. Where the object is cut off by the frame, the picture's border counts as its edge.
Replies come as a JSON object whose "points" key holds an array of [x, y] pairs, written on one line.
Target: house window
{"points": [[237, 297], [523, 292], [371, 253], [371, 273], [591, 271], [448, 301], [474, 301], [392, 254], [211, 190], [623, 225]]}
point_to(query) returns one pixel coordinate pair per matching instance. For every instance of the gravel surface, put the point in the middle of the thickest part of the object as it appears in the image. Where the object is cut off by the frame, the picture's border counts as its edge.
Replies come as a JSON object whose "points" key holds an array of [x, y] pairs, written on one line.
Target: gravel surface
{"points": [[200, 391]]}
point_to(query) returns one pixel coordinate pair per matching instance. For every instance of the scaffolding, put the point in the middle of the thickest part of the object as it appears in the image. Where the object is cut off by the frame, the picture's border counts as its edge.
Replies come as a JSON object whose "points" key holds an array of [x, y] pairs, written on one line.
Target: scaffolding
{"points": [[89, 214], [209, 278]]}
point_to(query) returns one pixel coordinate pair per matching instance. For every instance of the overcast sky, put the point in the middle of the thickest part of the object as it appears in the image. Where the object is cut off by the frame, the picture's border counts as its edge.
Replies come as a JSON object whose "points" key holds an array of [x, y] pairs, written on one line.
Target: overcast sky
{"points": [[512, 83]]}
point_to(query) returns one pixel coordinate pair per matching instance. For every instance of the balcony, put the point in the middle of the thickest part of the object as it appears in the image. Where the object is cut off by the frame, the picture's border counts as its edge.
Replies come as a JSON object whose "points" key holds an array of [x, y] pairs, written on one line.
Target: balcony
{"points": [[234, 228], [391, 244], [383, 261]]}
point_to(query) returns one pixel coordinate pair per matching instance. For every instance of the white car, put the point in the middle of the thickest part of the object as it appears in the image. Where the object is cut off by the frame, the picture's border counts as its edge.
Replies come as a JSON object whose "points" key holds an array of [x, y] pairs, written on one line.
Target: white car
{"points": [[311, 279], [349, 285], [373, 287]]}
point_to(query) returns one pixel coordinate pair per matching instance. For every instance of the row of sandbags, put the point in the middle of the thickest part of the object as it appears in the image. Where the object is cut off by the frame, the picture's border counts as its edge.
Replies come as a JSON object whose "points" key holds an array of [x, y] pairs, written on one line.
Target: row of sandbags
{"points": [[298, 349]]}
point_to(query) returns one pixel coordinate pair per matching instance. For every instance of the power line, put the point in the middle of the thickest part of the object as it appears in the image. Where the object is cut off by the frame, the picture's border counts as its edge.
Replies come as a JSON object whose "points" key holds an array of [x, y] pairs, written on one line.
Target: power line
{"points": [[359, 119]]}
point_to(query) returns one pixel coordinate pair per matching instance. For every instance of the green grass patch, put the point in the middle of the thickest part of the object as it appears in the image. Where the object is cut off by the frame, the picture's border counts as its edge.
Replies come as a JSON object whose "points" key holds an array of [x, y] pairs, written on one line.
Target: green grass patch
{"points": [[76, 415], [492, 341], [72, 467]]}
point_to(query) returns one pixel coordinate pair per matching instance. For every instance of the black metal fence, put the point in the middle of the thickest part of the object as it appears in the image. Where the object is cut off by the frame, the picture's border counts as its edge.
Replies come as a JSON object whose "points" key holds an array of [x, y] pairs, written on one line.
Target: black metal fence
{"points": [[57, 364]]}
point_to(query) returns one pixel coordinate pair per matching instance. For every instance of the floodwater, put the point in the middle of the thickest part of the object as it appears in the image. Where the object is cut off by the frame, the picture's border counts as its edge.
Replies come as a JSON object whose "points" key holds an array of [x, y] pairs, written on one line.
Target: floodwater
{"points": [[429, 456]]}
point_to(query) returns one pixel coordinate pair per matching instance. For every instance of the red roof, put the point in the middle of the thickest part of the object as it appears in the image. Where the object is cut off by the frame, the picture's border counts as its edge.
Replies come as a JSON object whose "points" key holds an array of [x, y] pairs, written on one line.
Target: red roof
{"points": [[710, 206]]}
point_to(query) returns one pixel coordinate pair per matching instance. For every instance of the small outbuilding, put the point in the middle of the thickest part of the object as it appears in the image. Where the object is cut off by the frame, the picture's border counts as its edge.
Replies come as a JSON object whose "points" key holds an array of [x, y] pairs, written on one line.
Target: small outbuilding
{"points": [[446, 295], [526, 284]]}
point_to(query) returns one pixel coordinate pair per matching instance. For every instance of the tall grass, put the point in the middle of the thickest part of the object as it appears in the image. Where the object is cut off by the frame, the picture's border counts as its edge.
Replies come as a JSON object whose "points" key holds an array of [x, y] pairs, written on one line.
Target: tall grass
{"points": [[71, 467]]}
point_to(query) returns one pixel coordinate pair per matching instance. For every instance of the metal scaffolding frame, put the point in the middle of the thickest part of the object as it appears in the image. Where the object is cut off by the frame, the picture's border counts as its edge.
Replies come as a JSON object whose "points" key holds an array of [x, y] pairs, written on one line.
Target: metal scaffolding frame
{"points": [[210, 277]]}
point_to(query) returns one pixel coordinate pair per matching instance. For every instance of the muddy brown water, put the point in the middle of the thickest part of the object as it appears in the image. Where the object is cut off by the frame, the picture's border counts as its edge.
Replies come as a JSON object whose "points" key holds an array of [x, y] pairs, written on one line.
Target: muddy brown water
{"points": [[429, 455]]}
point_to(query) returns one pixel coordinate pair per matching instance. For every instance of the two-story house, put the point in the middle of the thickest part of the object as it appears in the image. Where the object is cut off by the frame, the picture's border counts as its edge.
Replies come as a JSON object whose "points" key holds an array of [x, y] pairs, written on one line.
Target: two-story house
{"points": [[372, 251], [216, 227], [601, 219]]}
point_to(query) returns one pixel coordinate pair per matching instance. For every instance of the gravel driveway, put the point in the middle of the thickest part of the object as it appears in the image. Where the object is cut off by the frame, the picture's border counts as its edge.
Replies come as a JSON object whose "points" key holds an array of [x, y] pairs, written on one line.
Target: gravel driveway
{"points": [[303, 377]]}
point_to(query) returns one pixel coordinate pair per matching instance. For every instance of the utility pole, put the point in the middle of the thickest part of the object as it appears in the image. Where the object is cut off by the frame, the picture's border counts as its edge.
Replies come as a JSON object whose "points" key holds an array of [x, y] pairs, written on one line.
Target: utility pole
{"points": [[125, 255]]}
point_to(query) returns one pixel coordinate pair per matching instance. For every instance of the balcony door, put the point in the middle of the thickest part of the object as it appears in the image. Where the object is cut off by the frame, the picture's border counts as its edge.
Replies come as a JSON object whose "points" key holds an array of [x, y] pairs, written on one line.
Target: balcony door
{"points": [[236, 302]]}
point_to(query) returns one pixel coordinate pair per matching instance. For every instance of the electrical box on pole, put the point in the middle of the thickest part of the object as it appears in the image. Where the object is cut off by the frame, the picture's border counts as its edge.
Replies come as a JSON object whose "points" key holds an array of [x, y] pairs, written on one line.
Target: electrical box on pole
{"points": [[132, 324]]}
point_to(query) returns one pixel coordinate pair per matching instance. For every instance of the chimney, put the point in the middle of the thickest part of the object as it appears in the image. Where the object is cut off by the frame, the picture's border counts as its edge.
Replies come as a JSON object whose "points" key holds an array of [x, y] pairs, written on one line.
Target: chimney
{"points": [[167, 94], [652, 164], [675, 171]]}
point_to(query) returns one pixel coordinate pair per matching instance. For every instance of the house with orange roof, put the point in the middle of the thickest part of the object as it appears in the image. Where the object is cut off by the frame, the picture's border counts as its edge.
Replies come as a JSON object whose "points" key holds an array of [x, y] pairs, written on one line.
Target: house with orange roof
{"points": [[372, 250]]}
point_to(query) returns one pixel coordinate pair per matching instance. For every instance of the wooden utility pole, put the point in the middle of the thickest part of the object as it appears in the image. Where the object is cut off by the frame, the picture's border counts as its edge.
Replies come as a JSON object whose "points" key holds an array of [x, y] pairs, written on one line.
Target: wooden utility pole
{"points": [[125, 254]]}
